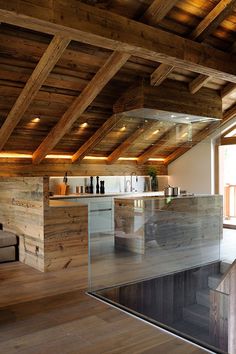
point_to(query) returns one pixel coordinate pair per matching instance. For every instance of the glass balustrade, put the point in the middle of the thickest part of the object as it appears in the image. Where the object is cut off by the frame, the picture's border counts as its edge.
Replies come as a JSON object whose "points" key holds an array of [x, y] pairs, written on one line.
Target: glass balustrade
{"points": [[160, 258]]}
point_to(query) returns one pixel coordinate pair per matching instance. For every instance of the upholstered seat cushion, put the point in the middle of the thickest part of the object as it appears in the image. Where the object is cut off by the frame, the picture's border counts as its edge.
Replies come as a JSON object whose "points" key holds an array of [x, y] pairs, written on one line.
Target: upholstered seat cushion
{"points": [[7, 239], [7, 254]]}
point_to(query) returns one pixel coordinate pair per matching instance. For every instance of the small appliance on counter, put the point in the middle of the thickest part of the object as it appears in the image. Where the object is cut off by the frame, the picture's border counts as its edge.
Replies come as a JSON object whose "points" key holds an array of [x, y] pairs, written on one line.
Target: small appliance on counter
{"points": [[171, 191]]}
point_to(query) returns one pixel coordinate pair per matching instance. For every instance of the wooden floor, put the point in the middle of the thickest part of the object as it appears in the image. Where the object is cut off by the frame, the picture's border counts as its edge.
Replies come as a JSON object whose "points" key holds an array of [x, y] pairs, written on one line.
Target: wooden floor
{"points": [[51, 313]]}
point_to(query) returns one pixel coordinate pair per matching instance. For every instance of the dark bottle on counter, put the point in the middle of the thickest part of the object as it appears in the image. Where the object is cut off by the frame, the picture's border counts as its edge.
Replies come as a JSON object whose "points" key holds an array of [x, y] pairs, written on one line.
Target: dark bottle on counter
{"points": [[102, 187], [97, 185], [91, 185]]}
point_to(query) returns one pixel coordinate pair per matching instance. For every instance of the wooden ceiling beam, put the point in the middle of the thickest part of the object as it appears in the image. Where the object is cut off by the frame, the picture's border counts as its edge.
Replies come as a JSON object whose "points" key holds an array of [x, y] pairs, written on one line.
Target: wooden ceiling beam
{"points": [[223, 9], [33, 85], [101, 28], [205, 28], [153, 15], [157, 11], [227, 90], [80, 104], [95, 139], [114, 156], [160, 74], [229, 115], [198, 83]]}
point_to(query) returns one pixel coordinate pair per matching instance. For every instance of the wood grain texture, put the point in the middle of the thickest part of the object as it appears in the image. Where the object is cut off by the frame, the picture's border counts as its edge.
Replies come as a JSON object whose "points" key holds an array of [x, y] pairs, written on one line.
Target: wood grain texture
{"points": [[157, 11], [122, 148], [160, 74], [85, 149], [213, 19], [50, 237], [228, 90], [22, 208], [169, 98], [170, 224], [86, 25], [198, 83], [11, 167], [51, 306], [33, 85], [101, 78]]}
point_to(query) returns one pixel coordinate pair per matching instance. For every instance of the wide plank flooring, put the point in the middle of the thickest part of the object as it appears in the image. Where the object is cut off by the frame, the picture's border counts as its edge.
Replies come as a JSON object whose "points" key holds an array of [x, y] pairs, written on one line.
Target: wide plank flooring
{"points": [[51, 313]]}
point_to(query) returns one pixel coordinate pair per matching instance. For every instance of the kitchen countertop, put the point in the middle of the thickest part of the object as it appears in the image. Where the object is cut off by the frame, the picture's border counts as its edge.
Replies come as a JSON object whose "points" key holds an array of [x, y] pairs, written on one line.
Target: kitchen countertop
{"points": [[121, 194]]}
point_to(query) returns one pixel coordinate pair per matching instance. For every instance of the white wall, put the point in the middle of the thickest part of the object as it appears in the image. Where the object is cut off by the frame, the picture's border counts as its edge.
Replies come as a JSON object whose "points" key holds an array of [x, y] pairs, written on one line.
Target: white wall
{"points": [[193, 171]]}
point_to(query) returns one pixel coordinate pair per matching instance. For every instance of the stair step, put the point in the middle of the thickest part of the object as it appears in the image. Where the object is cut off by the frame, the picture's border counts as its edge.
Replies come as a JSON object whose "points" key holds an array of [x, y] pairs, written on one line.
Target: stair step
{"points": [[224, 266], [203, 297], [214, 280], [197, 315]]}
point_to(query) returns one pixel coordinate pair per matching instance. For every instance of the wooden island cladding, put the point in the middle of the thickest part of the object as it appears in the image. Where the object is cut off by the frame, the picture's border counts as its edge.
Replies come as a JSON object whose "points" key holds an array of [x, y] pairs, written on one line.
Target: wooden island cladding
{"points": [[52, 235], [192, 224]]}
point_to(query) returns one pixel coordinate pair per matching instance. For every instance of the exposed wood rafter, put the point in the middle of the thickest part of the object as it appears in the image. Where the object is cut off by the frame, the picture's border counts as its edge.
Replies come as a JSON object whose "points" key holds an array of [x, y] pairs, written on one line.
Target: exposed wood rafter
{"points": [[33, 85], [157, 11], [114, 156], [160, 74], [228, 90], [198, 83], [94, 87], [102, 28], [204, 28], [213, 19], [95, 139]]}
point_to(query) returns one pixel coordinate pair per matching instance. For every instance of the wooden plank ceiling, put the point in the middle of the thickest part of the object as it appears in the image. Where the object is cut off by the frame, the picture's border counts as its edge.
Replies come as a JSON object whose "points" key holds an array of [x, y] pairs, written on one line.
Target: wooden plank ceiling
{"points": [[64, 64]]}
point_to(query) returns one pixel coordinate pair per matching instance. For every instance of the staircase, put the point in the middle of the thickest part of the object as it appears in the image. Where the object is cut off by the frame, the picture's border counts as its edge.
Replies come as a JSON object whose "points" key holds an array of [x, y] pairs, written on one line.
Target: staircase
{"points": [[196, 317]]}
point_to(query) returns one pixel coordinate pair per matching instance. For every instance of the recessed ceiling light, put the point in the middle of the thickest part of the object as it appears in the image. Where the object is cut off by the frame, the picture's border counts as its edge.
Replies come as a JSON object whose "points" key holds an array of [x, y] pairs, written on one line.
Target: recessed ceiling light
{"points": [[84, 125], [173, 116], [35, 120], [155, 132], [187, 118], [123, 128]]}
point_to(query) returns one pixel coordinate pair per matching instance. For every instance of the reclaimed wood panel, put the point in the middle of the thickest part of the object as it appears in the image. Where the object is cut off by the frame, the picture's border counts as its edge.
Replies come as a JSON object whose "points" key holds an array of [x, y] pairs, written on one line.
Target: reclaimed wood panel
{"points": [[21, 211], [52, 236]]}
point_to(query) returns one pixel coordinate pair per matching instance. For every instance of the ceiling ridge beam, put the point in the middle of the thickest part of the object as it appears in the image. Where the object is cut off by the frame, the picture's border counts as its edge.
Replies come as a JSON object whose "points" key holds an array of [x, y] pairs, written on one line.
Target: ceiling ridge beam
{"points": [[95, 139], [47, 62], [201, 135], [108, 30], [80, 104], [125, 145]]}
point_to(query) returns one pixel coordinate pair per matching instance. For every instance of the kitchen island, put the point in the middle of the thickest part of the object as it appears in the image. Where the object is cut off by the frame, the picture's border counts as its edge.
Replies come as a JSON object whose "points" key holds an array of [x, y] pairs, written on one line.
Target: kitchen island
{"points": [[191, 223]]}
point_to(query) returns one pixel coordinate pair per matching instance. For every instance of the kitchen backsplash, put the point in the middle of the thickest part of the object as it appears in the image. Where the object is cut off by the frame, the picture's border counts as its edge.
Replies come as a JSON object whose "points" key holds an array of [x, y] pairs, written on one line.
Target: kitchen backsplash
{"points": [[113, 184]]}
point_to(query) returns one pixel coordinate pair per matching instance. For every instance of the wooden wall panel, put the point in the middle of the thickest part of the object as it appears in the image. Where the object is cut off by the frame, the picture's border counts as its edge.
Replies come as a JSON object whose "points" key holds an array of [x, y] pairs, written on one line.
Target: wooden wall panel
{"points": [[20, 167], [51, 236], [65, 237], [21, 211]]}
